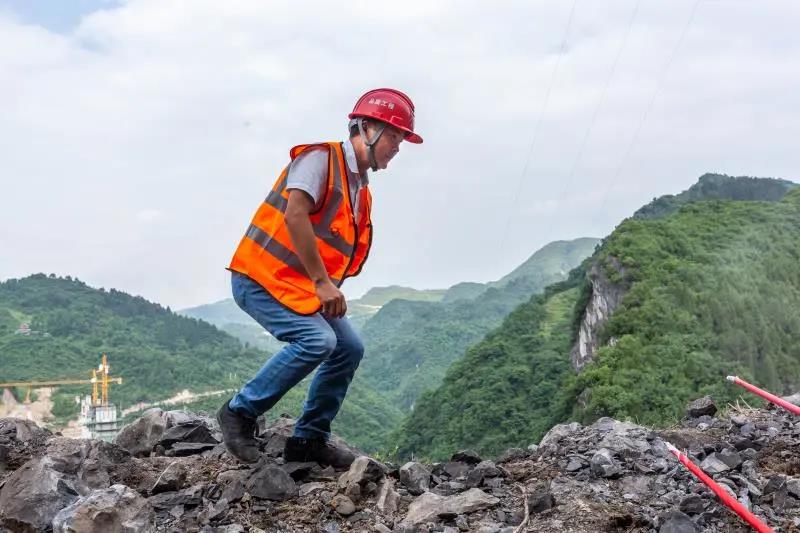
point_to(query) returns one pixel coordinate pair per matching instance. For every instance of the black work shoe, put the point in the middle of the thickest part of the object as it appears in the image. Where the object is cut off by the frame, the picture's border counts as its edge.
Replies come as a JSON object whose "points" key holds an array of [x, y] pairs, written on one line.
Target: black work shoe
{"points": [[302, 450], [239, 433]]}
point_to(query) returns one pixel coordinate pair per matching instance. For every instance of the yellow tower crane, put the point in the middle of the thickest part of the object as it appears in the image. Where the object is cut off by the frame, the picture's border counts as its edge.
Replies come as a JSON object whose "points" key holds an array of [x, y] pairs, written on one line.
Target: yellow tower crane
{"points": [[100, 379]]}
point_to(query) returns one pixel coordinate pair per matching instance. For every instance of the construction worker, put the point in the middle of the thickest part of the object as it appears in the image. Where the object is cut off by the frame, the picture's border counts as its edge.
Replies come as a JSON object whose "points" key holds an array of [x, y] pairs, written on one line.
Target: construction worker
{"points": [[311, 233]]}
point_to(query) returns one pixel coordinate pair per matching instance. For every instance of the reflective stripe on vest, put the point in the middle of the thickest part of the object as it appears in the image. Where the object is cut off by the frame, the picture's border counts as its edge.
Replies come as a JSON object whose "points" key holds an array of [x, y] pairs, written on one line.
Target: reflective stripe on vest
{"points": [[267, 255]]}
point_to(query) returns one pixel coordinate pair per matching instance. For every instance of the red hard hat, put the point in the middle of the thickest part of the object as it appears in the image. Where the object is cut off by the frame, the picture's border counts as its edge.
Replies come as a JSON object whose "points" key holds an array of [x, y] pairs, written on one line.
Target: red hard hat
{"points": [[390, 106]]}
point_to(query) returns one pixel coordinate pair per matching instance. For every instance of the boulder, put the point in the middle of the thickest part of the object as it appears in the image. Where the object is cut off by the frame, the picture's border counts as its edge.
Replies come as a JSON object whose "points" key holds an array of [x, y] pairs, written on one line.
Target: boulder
{"points": [[140, 436], [270, 482], [21, 431], [363, 470], [343, 505], [415, 477], [33, 495], [713, 464], [677, 522], [429, 506], [117, 509], [700, 407], [466, 456], [172, 478], [388, 498], [602, 464]]}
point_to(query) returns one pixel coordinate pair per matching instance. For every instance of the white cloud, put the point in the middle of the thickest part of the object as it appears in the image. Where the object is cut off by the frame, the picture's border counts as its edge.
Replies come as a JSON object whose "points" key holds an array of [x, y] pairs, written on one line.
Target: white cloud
{"points": [[181, 114]]}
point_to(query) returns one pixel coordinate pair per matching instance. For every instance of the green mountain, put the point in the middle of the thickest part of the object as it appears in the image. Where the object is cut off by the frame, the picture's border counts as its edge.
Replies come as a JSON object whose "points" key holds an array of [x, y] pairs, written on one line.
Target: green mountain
{"points": [[694, 291], [718, 187], [227, 316], [410, 345], [157, 352]]}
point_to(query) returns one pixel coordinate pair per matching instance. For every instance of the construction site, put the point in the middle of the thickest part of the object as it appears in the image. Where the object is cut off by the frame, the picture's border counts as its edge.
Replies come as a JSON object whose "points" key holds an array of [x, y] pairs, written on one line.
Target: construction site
{"points": [[97, 417]]}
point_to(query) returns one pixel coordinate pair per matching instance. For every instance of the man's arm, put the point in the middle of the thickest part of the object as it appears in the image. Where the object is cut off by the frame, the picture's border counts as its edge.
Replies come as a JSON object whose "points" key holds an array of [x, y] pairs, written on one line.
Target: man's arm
{"points": [[305, 242]]}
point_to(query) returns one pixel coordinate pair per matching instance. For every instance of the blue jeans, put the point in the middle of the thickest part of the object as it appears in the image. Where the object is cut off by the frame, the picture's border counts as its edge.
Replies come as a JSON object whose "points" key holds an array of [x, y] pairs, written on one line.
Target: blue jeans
{"points": [[315, 340]]}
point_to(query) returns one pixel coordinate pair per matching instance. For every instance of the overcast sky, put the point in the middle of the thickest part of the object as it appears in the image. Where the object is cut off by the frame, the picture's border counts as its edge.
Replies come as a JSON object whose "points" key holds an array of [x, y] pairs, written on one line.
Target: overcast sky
{"points": [[137, 138]]}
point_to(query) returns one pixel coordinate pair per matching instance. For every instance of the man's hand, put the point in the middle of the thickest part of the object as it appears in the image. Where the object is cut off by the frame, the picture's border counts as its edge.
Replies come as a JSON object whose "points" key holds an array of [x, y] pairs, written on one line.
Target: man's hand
{"points": [[333, 302]]}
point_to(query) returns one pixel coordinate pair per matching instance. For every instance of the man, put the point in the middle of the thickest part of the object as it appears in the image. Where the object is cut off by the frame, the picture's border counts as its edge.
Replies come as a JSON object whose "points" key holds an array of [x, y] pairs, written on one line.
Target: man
{"points": [[312, 231]]}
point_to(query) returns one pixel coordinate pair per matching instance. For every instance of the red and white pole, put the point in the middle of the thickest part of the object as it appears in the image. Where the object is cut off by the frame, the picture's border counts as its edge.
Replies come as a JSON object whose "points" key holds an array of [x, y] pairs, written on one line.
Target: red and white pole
{"points": [[721, 493], [780, 402]]}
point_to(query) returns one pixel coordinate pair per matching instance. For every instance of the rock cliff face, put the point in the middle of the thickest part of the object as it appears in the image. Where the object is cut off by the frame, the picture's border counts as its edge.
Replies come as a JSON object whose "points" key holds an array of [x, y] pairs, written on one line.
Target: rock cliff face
{"points": [[168, 473], [606, 297]]}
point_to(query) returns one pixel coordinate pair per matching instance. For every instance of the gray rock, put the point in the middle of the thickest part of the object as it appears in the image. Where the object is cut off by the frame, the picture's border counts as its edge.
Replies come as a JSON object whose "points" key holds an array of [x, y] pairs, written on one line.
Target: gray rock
{"points": [[701, 406], [380, 528], [488, 469], [331, 527], [172, 478], [362, 477], [626, 439], [429, 506], [188, 497], [677, 522], [448, 488], [574, 464], [21, 431], [456, 469], [415, 477], [730, 458], [602, 464], [558, 432], [793, 487], [388, 498], [364, 469], [466, 456], [343, 505], [794, 398], [234, 491], [692, 504], [33, 495], [540, 499], [140, 436], [488, 527], [117, 509], [714, 465], [4, 452], [774, 484], [184, 449], [310, 488], [271, 483], [512, 454], [91, 461], [195, 431]]}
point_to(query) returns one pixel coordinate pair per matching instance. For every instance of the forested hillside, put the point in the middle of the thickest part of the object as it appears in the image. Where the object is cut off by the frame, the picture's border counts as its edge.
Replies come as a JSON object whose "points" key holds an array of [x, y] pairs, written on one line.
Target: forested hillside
{"points": [[410, 345], [157, 352], [710, 289]]}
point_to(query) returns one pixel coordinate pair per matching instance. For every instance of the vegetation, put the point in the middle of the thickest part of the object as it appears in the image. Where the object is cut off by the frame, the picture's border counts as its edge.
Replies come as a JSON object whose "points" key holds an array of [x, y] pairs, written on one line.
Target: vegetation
{"points": [[410, 345], [718, 187], [157, 352], [712, 289]]}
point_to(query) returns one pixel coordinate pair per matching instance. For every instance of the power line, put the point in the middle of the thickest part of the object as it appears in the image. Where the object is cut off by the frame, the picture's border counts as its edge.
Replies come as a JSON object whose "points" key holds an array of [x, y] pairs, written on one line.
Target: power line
{"points": [[636, 133], [600, 102], [538, 125]]}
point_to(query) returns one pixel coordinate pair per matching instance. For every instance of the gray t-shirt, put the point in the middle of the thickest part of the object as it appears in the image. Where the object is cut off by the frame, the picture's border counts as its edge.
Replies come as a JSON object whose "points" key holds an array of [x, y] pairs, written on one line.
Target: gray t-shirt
{"points": [[309, 172]]}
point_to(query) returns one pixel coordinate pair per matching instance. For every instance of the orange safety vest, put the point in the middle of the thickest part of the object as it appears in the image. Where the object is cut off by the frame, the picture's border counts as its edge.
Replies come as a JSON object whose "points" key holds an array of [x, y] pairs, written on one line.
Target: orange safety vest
{"points": [[267, 255]]}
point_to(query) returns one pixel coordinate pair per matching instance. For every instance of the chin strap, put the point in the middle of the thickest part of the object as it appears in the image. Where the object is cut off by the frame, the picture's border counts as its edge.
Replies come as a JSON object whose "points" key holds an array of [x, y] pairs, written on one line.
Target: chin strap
{"points": [[370, 143]]}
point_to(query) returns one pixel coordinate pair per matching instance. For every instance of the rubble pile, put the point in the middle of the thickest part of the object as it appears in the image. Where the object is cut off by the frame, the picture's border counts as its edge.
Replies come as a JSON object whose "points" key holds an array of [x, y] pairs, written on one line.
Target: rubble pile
{"points": [[168, 471]]}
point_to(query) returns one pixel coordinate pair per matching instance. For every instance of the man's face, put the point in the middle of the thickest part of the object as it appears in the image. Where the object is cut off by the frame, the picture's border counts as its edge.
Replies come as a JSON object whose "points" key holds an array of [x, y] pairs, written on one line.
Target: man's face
{"points": [[388, 145]]}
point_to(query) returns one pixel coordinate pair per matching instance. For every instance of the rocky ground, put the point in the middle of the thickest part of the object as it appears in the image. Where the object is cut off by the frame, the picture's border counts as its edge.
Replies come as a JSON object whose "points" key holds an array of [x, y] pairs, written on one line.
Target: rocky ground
{"points": [[168, 472]]}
